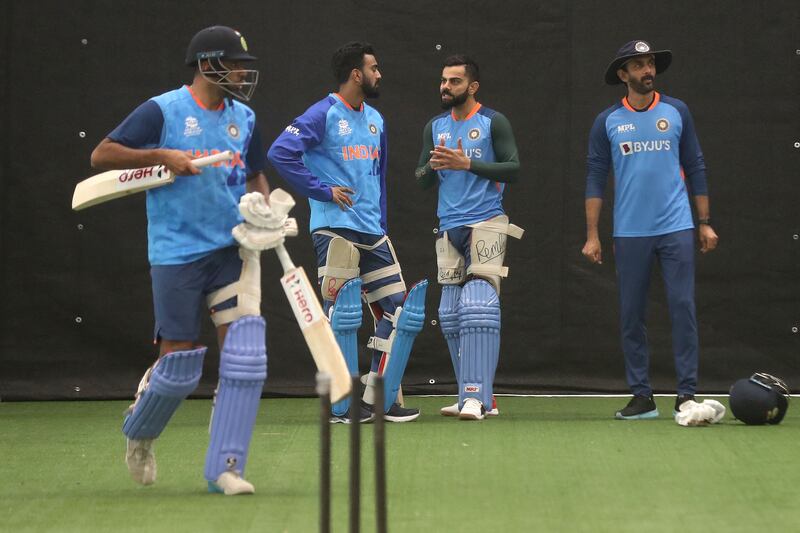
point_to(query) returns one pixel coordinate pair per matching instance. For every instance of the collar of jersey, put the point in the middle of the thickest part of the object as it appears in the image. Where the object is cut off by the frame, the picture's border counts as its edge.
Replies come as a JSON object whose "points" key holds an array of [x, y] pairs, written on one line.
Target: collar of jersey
{"points": [[200, 102], [654, 103], [339, 96], [469, 115]]}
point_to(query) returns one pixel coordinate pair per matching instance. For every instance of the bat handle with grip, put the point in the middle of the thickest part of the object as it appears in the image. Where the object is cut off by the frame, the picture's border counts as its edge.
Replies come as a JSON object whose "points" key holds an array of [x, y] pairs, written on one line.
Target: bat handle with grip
{"points": [[227, 155], [283, 257]]}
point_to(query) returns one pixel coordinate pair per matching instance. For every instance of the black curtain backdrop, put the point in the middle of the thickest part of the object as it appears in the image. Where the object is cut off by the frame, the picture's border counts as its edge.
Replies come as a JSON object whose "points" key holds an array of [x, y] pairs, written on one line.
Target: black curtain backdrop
{"points": [[76, 316]]}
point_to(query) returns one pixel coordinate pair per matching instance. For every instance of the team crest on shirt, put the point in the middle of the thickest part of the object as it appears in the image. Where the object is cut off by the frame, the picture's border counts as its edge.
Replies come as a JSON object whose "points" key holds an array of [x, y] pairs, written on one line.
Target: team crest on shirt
{"points": [[474, 134], [192, 127], [373, 129], [233, 131], [662, 124], [344, 128]]}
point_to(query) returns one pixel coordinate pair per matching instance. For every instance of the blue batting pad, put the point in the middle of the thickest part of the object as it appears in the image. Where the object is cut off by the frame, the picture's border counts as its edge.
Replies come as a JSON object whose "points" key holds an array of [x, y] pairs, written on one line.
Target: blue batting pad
{"points": [[345, 321], [449, 321], [480, 341], [408, 325], [173, 378], [242, 372]]}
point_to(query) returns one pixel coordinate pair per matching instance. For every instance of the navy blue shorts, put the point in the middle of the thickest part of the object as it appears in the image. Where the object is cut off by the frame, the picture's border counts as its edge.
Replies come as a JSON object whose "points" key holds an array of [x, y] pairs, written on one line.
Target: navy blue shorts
{"points": [[179, 292]]}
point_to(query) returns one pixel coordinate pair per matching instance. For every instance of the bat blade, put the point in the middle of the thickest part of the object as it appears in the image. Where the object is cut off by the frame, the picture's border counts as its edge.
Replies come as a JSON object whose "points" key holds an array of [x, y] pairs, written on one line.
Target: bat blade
{"points": [[317, 331], [117, 183]]}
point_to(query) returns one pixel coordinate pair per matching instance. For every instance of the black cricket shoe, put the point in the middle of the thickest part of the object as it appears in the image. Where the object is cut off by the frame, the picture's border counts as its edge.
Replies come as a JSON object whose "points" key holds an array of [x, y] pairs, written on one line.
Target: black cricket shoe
{"points": [[365, 411], [639, 408], [679, 401], [397, 413], [400, 414]]}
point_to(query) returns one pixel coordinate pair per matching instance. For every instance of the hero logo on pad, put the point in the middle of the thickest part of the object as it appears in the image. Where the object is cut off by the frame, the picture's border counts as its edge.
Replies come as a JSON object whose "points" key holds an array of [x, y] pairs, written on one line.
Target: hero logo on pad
{"points": [[472, 388]]}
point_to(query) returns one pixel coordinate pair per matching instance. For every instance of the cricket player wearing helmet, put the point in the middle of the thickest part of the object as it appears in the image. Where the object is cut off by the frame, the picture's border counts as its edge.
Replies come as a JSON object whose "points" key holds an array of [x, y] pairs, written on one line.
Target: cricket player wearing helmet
{"points": [[195, 261]]}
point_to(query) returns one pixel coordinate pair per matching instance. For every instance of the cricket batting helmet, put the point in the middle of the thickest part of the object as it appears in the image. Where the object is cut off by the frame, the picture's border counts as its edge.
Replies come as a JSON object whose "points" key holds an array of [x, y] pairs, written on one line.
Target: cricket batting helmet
{"points": [[760, 399], [219, 47]]}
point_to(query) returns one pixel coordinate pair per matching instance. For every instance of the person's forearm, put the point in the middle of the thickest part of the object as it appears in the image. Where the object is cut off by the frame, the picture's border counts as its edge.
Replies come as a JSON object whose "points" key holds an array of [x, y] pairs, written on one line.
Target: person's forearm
{"points": [[702, 207], [502, 171], [593, 207], [109, 155], [259, 184]]}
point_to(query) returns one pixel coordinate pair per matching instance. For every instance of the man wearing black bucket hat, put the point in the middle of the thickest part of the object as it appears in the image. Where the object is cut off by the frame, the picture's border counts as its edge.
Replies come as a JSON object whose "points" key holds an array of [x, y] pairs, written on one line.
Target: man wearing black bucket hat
{"points": [[650, 140]]}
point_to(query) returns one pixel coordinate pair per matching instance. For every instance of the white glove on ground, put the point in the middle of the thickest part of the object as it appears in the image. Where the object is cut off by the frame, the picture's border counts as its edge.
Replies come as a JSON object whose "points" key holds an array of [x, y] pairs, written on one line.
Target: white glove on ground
{"points": [[700, 414]]}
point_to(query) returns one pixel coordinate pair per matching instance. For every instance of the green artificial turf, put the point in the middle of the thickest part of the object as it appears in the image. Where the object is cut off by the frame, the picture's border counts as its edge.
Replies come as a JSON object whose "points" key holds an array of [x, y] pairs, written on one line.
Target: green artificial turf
{"points": [[546, 464]]}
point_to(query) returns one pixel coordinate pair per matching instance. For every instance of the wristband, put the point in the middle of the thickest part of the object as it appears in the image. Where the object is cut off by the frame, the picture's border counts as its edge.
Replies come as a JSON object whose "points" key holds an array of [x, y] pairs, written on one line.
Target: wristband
{"points": [[706, 221]]}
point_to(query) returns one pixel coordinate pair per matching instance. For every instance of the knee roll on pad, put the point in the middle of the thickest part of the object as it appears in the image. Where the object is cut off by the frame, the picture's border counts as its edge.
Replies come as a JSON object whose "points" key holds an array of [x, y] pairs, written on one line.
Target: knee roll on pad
{"points": [[479, 341], [346, 317], [171, 379], [242, 372], [449, 321]]}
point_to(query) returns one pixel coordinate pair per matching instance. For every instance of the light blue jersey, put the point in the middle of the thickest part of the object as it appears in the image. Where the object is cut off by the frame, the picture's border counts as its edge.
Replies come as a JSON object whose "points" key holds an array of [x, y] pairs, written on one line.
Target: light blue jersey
{"points": [[464, 197], [651, 150], [193, 217], [331, 145]]}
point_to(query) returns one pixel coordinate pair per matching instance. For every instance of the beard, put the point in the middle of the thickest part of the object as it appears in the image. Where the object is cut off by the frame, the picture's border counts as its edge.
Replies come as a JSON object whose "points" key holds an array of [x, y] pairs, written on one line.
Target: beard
{"points": [[641, 86], [455, 101], [371, 90]]}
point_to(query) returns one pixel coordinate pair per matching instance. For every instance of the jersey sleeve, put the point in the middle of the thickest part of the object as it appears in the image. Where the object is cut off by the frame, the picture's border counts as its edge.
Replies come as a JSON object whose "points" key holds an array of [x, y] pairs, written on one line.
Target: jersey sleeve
{"points": [[425, 175], [691, 156], [286, 153], [383, 166], [254, 159], [598, 160], [142, 128], [505, 168]]}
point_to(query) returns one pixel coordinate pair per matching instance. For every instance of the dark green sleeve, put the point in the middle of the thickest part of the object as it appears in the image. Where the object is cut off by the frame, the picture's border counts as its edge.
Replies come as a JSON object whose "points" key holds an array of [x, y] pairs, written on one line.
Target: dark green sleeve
{"points": [[426, 176], [505, 169]]}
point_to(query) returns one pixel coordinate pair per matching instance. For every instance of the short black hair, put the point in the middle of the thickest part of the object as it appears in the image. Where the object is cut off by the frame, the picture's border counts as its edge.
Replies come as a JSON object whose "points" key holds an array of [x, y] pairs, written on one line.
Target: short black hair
{"points": [[470, 66], [348, 57]]}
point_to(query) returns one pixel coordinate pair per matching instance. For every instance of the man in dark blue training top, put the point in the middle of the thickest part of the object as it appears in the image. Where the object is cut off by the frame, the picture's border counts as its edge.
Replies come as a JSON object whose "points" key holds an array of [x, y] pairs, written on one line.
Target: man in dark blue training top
{"points": [[470, 152], [650, 140], [335, 154], [195, 261]]}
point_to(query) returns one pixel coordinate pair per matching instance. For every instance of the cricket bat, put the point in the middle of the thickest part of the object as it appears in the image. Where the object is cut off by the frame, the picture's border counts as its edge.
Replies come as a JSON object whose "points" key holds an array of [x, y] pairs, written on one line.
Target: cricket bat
{"points": [[117, 183], [314, 325]]}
